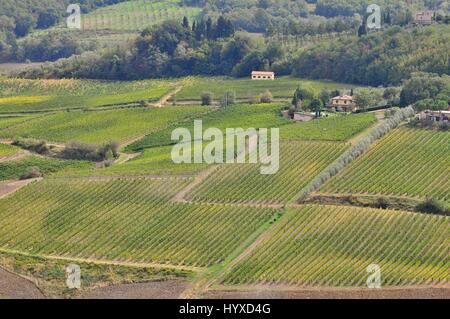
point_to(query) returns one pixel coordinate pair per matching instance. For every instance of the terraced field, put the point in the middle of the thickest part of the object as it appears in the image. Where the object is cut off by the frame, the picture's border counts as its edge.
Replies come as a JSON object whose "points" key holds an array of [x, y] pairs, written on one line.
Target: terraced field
{"points": [[300, 162], [407, 162], [282, 87], [137, 15], [101, 126], [123, 219], [20, 95], [332, 246]]}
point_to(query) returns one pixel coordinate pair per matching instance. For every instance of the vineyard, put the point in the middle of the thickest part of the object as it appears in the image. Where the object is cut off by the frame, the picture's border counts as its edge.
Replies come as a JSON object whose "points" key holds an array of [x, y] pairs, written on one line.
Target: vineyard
{"points": [[6, 122], [333, 128], [20, 95], [101, 126], [235, 116], [123, 219], [237, 183], [407, 162], [17, 168], [156, 160], [332, 246], [6, 150], [137, 15]]}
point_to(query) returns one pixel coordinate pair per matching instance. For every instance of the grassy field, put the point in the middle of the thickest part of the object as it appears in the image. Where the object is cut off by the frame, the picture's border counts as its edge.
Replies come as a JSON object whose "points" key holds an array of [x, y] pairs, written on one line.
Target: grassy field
{"points": [[101, 126], [123, 220], [15, 169], [235, 116], [137, 15], [332, 246], [299, 163], [282, 87], [21, 95], [333, 128], [407, 162]]}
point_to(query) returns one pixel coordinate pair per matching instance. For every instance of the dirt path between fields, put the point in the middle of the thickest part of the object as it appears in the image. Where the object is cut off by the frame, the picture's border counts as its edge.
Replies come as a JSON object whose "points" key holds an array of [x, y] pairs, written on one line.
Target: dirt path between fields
{"points": [[273, 292], [163, 101], [17, 287], [9, 187], [166, 289], [180, 196]]}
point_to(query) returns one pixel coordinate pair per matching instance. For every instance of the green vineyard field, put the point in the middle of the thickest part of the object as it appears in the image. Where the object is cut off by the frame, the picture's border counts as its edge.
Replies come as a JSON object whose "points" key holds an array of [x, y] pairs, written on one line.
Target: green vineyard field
{"points": [[332, 246], [101, 126], [15, 169], [300, 162], [235, 116], [407, 162], [137, 15], [6, 150], [123, 219], [333, 128]]}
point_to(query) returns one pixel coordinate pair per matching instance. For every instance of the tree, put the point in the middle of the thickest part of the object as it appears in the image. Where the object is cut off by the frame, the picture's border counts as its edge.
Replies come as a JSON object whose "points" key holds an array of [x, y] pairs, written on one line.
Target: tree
{"points": [[316, 106], [228, 98], [325, 96], [207, 98], [186, 23]]}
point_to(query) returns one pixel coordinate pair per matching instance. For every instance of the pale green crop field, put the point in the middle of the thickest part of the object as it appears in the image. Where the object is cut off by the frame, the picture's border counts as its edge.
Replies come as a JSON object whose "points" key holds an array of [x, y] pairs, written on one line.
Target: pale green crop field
{"points": [[21, 95]]}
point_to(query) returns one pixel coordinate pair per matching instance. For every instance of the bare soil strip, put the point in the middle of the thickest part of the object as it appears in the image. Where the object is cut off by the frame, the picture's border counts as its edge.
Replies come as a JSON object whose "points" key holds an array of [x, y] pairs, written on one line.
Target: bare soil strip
{"points": [[273, 292], [168, 289], [17, 287], [9, 187]]}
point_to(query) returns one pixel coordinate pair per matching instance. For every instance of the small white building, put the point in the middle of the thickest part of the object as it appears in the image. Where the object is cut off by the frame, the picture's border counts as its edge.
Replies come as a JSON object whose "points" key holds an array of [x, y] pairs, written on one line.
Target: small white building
{"points": [[260, 75]]}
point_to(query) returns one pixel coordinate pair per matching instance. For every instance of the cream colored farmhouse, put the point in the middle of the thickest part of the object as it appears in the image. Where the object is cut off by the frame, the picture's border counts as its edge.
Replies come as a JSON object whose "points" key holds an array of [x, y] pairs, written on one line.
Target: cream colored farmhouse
{"points": [[342, 103], [260, 75]]}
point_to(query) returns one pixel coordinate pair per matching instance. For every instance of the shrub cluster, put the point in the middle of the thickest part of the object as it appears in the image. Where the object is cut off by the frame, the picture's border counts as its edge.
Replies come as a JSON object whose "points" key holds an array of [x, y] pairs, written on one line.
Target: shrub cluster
{"points": [[33, 145], [90, 152]]}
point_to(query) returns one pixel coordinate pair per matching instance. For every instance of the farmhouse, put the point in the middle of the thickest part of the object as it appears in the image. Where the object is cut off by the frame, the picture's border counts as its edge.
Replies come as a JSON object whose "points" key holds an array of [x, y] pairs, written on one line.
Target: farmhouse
{"points": [[260, 75], [423, 17], [435, 116], [342, 103]]}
